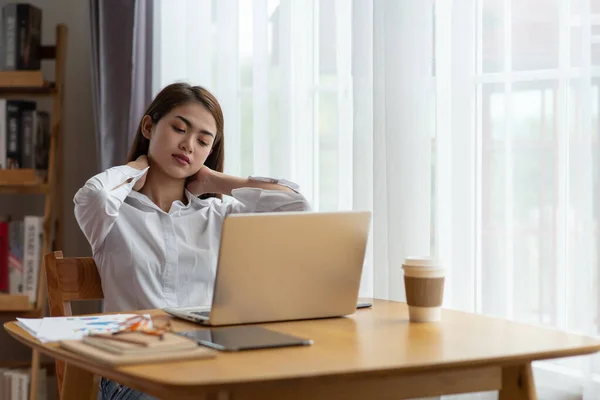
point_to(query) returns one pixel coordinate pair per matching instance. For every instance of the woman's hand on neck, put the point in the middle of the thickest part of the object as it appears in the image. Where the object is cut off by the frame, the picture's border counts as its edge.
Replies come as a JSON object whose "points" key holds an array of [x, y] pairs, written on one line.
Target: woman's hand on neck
{"points": [[209, 181], [163, 189]]}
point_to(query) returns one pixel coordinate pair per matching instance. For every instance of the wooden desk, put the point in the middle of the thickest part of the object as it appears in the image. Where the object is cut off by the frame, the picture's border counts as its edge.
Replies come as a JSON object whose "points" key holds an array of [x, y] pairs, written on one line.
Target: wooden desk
{"points": [[374, 354]]}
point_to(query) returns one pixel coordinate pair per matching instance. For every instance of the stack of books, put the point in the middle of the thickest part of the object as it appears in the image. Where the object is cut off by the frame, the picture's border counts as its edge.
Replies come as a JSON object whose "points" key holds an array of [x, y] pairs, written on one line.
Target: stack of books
{"points": [[24, 135], [20, 255], [137, 347], [24, 130], [21, 37]]}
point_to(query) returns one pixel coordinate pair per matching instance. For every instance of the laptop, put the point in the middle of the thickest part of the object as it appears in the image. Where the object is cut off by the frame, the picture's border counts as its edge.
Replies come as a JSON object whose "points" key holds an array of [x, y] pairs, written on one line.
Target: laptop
{"points": [[285, 266]]}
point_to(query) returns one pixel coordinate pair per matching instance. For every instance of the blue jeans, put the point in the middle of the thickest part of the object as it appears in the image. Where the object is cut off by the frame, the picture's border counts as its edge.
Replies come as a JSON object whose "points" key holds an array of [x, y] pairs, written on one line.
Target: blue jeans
{"points": [[110, 390]]}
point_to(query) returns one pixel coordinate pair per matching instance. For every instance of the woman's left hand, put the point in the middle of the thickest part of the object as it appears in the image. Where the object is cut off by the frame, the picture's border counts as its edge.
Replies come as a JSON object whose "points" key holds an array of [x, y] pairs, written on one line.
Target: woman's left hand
{"points": [[202, 182], [209, 181]]}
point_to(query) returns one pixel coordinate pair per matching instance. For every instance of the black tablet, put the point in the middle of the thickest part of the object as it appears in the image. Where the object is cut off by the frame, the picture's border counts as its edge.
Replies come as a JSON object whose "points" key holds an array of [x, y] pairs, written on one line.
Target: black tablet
{"points": [[243, 337], [364, 304]]}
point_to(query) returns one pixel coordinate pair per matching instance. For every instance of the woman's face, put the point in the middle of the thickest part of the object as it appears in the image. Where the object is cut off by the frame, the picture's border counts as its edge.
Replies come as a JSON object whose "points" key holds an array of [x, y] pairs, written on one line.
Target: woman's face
{"points": [[181, 140]]}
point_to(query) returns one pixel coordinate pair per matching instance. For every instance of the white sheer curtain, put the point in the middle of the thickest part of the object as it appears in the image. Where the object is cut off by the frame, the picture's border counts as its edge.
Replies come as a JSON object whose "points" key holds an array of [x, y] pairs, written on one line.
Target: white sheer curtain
{"points": [[469, 127], [516, 166], [320, 92], [281, 70]]}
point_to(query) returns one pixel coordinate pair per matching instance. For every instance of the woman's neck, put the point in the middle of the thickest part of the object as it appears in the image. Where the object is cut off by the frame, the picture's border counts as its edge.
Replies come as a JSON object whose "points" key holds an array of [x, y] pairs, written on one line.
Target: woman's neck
{"points": [[162, 189]]}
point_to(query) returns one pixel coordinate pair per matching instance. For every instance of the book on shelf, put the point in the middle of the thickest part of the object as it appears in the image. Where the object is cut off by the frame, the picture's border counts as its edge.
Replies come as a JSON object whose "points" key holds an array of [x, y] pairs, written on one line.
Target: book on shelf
{"points": [[21, 28], [4, 255], [34, 227], [24, 136], [15, 256], [20, 263], [40, 141], [14, 384], [15, 130]]}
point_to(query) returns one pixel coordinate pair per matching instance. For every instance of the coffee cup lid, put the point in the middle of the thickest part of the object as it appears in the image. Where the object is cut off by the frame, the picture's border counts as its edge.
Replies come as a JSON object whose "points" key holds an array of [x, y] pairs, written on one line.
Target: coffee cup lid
{"points": [[422, 262]]}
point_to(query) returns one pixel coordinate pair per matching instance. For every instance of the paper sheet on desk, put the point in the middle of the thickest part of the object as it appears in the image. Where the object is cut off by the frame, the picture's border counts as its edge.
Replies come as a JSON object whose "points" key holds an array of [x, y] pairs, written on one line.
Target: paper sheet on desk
{"points": [[52, 329], [31, 325]]}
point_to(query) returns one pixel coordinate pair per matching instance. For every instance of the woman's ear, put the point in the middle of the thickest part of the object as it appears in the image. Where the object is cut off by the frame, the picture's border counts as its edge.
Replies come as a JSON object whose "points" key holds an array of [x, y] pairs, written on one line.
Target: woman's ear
{"points": [[147, 126]]}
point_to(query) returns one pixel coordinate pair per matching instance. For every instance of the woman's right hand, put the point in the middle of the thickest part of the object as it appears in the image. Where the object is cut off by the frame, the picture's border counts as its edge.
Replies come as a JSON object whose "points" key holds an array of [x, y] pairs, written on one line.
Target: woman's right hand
{"points": [[140, 163]]}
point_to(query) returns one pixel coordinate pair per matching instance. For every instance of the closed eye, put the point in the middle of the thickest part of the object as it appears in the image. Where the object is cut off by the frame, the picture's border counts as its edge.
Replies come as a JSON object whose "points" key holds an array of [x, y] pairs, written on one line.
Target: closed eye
{"points": [[203, 143], [178, 130]]}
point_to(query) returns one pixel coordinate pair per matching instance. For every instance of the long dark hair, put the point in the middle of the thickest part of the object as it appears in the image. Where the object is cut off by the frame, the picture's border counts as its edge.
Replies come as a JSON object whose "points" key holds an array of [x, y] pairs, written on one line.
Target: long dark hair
{"points": [[174, 95]]}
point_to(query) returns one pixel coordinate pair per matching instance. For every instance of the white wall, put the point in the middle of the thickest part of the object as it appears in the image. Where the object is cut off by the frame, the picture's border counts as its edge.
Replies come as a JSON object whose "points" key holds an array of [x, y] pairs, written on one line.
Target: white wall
{"points": [[78, 135], [78, 129]]}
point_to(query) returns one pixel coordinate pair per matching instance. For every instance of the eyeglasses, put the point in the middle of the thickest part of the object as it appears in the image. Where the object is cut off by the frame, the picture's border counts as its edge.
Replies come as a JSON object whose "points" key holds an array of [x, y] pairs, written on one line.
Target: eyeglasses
{"points": [[156, 326]]}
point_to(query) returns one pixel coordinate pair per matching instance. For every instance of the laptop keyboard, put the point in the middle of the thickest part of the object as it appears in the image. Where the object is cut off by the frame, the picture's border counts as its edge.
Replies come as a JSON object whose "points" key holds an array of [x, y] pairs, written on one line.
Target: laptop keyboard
{"points": [[201, 313]]}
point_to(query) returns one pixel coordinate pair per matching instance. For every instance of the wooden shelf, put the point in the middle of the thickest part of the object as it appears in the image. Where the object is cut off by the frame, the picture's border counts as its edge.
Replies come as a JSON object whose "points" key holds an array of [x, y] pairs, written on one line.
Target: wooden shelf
{"points": [[12, 92], [32, 313], [25, 83], [28, 181], [49, 365], [36, 188], [22, 78], [21, 177], [15, 302]]}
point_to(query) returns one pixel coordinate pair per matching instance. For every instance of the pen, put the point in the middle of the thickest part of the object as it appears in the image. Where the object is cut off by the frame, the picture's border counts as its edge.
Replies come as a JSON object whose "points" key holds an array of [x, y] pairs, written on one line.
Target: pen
{"points": [[121, 339]]}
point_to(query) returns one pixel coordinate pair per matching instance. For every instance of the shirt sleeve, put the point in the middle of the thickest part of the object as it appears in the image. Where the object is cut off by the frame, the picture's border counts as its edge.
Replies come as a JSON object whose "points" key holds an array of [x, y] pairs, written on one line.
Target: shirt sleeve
{"points": [[254, 200], [98, 202]]}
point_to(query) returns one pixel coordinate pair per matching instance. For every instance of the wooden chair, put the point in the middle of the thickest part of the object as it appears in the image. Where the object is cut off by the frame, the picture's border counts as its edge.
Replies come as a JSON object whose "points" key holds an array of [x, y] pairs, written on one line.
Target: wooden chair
{"points": [[71, 279]]}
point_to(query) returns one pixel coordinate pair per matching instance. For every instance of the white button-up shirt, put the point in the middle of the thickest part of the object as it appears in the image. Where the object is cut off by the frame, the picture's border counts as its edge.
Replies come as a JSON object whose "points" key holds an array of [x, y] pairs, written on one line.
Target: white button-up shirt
{"points": [[148, 258]]}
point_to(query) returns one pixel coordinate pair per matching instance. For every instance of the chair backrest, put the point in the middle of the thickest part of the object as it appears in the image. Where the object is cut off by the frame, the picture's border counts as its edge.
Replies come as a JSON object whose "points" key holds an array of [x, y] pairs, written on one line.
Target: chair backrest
{"points": [[67, 280], [70, 279]]}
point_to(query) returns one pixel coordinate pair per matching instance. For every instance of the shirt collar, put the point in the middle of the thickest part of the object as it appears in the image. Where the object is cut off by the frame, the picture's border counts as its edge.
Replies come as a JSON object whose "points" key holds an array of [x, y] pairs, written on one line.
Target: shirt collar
{"points": [[175, 206]]}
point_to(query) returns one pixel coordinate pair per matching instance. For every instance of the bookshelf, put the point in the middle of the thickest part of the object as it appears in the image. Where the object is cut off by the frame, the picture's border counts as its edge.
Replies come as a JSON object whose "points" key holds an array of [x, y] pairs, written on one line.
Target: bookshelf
{"points": [[30, 84]]}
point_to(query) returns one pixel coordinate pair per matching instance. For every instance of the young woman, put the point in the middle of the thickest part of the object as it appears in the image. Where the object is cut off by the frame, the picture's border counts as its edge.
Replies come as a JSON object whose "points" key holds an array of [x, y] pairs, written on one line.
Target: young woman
{"points": [[154, 224]]}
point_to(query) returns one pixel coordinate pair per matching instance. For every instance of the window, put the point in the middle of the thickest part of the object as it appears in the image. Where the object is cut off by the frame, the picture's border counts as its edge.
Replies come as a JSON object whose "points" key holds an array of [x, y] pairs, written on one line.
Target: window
{"points": [[281, 71], [526, 178]]}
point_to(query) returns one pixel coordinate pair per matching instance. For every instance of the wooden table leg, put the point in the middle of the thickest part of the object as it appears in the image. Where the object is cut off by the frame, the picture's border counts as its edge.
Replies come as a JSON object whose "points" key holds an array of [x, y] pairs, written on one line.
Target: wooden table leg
{"points": [[77, 384], [35, 375], [517, 383]]}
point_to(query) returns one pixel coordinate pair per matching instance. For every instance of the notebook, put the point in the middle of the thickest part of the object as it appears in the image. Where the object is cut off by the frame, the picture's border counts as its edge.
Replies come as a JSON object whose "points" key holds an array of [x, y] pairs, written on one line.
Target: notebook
{"points": [[148, 348], [147, 343]]}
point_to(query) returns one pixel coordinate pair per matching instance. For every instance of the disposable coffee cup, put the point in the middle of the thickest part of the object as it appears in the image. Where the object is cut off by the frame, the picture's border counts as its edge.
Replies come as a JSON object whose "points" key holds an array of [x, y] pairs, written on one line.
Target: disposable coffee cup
{"points": [[424, 284]]}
